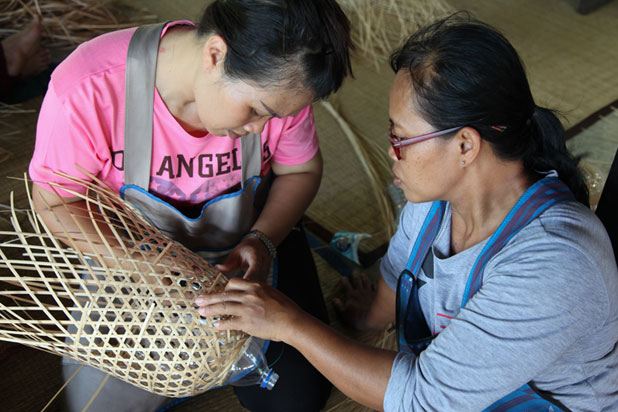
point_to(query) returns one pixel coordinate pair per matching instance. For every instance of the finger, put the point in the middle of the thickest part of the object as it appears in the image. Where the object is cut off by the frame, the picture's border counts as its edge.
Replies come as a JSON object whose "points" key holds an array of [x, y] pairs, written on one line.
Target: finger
{"points": [[347, 286], [225, 307], [230, 263], [239, 284], [211, 299], [363, 280], [231, 324], [338, 304], [250, 274]]}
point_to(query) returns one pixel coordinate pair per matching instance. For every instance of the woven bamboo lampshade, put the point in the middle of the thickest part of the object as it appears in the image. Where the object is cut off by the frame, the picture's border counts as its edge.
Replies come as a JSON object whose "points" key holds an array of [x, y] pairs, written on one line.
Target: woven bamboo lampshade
{"points": [[129, 314]]}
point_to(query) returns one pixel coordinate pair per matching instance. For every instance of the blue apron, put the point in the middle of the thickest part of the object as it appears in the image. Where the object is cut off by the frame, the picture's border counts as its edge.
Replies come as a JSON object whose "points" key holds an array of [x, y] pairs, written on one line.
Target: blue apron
{"points": [[413, 334]]}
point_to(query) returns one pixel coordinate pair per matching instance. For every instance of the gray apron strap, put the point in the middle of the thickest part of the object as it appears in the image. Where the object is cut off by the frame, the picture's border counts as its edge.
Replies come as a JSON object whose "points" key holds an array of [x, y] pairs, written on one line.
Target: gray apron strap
{"points": [[139, 104], [251, 152]]}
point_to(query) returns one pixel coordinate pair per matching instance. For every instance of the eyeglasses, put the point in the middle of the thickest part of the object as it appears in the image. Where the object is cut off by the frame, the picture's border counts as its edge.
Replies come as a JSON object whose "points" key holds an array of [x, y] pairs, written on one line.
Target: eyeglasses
{"points": [[397, 142]]}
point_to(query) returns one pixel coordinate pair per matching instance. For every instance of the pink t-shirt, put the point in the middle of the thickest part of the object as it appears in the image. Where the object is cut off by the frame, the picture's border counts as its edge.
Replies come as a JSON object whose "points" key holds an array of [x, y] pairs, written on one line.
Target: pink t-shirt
{"points": [[81, 122]]}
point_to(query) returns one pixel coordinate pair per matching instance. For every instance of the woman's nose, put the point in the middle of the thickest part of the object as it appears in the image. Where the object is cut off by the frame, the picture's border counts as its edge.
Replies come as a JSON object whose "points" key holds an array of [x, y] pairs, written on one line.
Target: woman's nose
{"points": [[391, 153], [256, 126]]}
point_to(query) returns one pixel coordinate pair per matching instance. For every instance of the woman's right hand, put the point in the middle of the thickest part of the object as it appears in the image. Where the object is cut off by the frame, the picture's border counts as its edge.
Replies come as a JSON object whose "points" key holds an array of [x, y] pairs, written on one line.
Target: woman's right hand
{"points": [[358, 293], [252, 307]]}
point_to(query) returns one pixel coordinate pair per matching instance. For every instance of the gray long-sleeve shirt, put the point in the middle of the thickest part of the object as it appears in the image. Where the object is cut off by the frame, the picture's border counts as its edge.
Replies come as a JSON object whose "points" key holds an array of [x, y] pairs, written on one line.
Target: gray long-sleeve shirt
{"points": [[547, 312]]}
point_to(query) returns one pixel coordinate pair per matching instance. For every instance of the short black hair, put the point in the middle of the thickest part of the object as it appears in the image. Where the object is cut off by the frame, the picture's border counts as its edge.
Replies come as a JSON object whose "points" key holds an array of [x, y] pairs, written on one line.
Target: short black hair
{"points": [[283, 41]]}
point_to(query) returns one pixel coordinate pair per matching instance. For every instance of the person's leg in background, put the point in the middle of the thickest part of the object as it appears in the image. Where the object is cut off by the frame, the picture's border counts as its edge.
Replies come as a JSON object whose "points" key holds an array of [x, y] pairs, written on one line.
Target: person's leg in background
{"points": [[300, 386], [21, 56]]}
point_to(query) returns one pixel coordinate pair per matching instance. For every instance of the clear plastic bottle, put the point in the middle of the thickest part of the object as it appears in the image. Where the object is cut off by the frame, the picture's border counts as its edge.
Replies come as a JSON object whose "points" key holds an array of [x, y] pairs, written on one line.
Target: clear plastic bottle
{"points": [[251, 368]]}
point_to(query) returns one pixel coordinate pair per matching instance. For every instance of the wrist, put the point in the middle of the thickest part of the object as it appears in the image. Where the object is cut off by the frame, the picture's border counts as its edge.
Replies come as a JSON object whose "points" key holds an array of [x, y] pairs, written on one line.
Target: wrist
{"points": [[265, 240]]}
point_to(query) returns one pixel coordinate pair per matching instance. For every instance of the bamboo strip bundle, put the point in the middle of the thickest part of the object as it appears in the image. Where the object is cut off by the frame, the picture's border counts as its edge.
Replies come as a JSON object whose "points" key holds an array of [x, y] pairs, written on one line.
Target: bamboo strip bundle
{"points": [[379, 26], [129, 314], [67, 23]]}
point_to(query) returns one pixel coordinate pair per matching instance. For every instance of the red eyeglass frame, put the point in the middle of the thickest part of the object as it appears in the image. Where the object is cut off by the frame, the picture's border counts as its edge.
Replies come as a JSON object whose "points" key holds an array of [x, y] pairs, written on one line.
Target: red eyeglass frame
{"points": [[397, 143]]}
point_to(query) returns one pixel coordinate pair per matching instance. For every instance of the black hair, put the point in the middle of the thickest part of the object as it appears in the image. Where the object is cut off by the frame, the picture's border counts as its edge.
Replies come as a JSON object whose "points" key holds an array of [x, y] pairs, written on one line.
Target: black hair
{"points": [[283, 41], [466, 73]]}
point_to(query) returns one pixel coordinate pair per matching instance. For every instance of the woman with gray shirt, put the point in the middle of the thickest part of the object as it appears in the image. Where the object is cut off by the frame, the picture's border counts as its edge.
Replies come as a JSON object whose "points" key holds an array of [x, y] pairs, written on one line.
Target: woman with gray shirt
{"points": [[502, 282]]}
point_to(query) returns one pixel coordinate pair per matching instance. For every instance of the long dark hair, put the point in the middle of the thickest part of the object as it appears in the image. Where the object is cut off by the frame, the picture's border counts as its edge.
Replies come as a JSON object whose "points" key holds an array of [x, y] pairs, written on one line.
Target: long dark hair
{"points": [[283, 41], [465, 73]]}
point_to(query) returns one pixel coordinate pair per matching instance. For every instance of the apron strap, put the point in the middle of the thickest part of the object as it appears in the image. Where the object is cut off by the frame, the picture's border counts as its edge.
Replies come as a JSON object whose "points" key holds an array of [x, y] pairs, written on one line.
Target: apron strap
{"points": [[251, 152], [139, 104], [538, 198], [425, 238]]}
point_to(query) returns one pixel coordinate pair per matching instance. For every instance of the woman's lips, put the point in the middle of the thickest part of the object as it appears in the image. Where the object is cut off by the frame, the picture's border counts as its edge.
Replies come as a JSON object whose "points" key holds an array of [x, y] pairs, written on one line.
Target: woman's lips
{"points": [[396, 179], [232, 134]]}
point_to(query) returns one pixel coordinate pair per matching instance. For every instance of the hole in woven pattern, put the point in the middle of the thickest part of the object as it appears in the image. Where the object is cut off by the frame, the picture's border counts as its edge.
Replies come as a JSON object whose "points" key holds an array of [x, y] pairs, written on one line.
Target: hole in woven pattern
{"points": [[150, 367]]}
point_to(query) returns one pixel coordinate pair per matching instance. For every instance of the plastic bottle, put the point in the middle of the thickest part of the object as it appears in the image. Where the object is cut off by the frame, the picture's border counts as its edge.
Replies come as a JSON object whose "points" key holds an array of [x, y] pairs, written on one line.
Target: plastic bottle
{"points": [[251, 367]]}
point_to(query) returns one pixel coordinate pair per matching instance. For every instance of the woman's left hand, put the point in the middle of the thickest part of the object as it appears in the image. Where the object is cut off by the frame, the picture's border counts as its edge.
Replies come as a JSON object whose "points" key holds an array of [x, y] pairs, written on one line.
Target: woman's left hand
{"points": [[255, 308], [249, 256]]}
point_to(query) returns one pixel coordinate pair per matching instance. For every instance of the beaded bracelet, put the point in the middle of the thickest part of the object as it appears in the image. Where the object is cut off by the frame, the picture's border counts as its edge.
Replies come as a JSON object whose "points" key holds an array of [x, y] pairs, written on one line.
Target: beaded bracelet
{"points": [[272, 250]]}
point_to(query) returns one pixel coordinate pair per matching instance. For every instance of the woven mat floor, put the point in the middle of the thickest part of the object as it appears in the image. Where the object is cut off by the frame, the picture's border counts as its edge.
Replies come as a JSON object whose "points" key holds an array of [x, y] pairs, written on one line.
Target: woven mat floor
{"points": [[597, 142]]}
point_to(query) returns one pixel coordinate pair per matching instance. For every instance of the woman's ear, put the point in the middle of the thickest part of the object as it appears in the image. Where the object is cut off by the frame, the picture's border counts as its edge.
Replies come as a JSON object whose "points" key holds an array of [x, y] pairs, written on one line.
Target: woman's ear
{"points": [[469, 145], [213, 53]]}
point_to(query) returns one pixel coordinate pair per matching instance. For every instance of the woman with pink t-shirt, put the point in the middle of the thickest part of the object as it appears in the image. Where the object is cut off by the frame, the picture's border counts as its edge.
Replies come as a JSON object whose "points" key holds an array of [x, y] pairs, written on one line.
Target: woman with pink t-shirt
{"points": [[208, 130]]}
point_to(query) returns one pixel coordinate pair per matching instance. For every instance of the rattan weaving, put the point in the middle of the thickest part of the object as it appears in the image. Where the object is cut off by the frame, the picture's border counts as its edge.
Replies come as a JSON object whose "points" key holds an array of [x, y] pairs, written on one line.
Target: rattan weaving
{"points": [[130, 315]]}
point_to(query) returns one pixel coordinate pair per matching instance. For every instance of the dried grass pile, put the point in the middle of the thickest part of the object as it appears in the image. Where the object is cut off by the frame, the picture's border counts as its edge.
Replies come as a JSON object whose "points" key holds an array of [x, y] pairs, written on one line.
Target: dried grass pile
{"points": [[379, 26], [128, 314], [67, 23]]}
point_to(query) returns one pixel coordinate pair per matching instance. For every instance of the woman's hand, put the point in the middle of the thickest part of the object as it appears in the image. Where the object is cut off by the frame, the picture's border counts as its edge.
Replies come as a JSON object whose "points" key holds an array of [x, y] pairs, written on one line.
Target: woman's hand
{"points": [[249, 256], [255, 308], [353, 307]]}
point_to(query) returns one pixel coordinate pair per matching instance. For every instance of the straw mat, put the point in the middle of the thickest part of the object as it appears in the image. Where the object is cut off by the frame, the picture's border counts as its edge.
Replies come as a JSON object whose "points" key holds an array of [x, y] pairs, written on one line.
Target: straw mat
{"points": [[597, 140], [571, 59]]}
